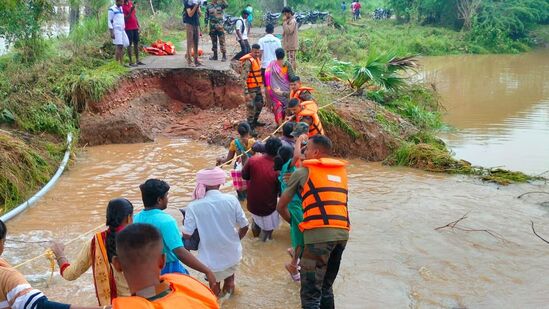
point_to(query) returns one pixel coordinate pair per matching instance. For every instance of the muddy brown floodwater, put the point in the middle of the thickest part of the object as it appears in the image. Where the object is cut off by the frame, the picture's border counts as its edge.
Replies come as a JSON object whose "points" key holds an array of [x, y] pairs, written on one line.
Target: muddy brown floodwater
{"points": [[499, 105], [394, 259]]}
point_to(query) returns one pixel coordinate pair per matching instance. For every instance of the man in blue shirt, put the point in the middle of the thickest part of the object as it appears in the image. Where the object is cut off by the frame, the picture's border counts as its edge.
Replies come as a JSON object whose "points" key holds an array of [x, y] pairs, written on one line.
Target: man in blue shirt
{"points": [[154, 193]]}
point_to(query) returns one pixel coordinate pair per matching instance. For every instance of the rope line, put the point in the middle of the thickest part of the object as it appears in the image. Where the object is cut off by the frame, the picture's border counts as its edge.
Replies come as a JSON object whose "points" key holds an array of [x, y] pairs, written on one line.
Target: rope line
{"points": [[49, 254]]}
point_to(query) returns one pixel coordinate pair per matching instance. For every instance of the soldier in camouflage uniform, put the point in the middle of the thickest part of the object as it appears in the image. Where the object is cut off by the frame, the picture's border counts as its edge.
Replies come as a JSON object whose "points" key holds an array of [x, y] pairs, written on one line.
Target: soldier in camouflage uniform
{"points": [[214, 16]]}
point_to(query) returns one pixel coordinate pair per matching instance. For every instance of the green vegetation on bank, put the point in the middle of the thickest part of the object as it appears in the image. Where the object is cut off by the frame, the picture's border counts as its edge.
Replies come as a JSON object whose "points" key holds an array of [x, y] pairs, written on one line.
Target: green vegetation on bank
{"points": [[46, 83]]}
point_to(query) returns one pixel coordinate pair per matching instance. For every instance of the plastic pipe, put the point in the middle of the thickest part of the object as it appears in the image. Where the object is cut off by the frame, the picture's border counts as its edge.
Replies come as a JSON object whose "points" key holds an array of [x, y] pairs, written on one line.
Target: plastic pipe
{"points": [[22, 207]]}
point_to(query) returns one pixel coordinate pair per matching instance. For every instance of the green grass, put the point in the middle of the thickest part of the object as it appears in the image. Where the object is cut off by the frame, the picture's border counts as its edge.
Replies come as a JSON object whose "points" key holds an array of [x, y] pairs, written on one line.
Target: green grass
{"points": [[26, 164]]}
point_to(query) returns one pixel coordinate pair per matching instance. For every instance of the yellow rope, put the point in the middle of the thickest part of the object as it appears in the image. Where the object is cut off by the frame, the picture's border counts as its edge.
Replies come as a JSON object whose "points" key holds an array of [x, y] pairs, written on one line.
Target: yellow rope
{"points": [[51, 256]]}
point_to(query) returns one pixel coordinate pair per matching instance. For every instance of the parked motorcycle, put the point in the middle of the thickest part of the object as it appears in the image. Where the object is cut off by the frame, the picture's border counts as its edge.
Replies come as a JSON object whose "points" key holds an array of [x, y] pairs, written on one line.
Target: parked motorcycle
{"points": [[271, 18], [381, 13]]}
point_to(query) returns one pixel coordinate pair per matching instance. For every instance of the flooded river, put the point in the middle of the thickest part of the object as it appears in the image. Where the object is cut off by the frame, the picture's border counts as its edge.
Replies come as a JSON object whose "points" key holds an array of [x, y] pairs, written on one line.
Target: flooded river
{"points": [[499, 105], [394, 259]]}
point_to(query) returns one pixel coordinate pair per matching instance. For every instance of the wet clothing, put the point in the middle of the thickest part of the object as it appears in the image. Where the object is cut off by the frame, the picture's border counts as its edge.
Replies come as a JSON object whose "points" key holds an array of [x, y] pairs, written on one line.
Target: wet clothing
{"points": [[294, 207], [319, 267], [17, 293], [295, 184], [214, 17], [171, 236], [217, 217], [130, 18], [262, 184], [109, 283], [322, 253]]}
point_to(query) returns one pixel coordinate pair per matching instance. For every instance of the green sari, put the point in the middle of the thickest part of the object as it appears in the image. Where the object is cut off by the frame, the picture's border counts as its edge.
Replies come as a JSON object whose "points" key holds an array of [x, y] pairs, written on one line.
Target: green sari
{"points": [[295, 208]]}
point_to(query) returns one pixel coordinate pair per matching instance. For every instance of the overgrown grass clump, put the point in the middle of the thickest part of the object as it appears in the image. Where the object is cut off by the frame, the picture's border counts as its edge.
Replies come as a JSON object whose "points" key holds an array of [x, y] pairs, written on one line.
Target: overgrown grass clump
{"points": [[27, 162]]}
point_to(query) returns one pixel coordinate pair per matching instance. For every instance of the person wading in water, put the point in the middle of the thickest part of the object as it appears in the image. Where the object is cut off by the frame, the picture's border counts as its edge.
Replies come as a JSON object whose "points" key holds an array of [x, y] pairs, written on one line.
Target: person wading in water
{"points": [[154, 193], [98, 254], [322, 185]]}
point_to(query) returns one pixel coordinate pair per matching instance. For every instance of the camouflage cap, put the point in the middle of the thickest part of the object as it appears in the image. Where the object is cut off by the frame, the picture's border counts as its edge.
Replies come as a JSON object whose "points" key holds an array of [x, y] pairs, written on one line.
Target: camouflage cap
{"points": [[300, 129]]}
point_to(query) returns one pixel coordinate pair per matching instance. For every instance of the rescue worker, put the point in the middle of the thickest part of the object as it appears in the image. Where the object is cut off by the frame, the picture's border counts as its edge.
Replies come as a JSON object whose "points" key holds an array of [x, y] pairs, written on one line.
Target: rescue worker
{"points": [[253, 91], [322, 185], [214, 16], [297, 91], [139, 256], [306, 112]]}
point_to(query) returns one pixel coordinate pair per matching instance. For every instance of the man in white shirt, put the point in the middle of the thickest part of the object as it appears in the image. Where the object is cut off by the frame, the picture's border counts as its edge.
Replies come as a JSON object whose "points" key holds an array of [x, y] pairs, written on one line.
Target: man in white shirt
{"points": [[117, 26], [269, 43], [241, 32], [221, 224]]}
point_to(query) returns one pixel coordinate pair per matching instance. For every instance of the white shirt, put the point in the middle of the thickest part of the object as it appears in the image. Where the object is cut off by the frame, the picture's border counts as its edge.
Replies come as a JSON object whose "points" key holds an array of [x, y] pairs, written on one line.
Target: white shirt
{"points": [[269, 44], [217, 216], [116, 18], [238, 25]]}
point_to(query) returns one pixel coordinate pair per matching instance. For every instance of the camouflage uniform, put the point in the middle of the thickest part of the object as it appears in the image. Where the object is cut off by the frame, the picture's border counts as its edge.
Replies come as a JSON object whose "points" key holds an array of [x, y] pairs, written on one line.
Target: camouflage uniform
{"points": [[319, 267], [214, 16], [256, 103]]}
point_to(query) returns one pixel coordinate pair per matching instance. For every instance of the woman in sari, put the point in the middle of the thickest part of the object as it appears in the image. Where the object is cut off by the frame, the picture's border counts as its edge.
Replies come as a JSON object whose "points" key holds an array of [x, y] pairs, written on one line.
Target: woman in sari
{"points": [[98, 253], [277, 81]]}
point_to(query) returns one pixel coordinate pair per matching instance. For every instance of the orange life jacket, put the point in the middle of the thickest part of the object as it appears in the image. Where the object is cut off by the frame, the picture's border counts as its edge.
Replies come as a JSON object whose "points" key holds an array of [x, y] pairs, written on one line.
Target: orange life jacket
{"points": [[187, 292], [297, 94], [160, 48], [309, 108], [255, 79], [325, 195]]}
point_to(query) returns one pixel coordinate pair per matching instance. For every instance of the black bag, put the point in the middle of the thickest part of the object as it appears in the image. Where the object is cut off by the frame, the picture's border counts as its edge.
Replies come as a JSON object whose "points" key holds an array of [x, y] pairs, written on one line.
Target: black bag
{"points": [[192, 243]]}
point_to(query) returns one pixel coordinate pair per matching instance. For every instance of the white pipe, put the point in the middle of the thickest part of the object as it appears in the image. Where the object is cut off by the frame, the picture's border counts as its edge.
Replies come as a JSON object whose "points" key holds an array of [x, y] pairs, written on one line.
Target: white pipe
{"points": [[19, 209]]}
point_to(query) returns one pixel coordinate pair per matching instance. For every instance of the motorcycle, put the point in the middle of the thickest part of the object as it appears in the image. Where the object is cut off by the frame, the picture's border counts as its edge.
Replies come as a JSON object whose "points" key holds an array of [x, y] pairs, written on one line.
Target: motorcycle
{"points": [[229, 23], [381, 13], [271, 18]]}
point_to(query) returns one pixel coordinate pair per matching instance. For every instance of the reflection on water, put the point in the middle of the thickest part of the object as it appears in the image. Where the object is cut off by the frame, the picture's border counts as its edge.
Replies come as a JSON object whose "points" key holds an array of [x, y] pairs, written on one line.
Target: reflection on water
{"points": [[500, 106], [394, 258]]}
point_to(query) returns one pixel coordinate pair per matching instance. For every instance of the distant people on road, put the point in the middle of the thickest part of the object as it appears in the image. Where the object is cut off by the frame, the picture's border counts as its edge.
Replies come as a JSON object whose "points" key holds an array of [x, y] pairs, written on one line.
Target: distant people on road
{"points": [[191, 18], [215, 11], [241, 32], [154, 194], [277, 78], [268, 45], [132, 31], [343, 7], [253, 87], [117, 26], [289, 35], [356, 10], [221, 224], [250, 19], [140, 257], [322, 185], [97, 254], [263, 189]]}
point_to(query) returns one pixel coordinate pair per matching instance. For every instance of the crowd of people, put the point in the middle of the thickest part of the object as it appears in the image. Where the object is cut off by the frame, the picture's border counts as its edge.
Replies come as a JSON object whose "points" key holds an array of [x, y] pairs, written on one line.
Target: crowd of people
{"points": [[140, 260]]}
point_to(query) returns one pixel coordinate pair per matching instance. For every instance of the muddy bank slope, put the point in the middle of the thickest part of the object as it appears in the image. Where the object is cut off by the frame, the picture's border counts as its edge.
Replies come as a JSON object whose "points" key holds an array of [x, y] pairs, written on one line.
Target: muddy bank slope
{"points": [[207, 104]]}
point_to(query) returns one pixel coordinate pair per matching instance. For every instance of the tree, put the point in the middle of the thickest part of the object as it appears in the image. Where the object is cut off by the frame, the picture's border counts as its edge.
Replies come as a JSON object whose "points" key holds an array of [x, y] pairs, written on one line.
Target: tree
{"points": [[467, 10], [21, 24]]}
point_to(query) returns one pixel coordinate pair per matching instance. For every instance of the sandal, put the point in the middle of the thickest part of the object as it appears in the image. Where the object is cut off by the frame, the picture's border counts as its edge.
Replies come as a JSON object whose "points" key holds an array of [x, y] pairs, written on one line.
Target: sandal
{"points": [[140, 63]]}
